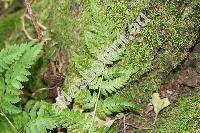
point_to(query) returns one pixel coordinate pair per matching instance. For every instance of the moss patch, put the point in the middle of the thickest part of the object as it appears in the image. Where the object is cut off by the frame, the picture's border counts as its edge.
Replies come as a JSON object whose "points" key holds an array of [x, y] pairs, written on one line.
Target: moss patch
{"points": [[183, 116]]}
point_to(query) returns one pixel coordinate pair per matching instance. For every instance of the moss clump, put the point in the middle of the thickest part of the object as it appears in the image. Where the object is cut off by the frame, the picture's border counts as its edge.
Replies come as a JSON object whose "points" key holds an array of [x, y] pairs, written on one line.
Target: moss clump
{"points": [[184, 116], [159, 47]]}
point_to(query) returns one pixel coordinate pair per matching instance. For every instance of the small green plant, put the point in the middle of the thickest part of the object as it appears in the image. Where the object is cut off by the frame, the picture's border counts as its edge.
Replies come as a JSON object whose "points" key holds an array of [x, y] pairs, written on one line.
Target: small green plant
{"points": [[34, 117]]}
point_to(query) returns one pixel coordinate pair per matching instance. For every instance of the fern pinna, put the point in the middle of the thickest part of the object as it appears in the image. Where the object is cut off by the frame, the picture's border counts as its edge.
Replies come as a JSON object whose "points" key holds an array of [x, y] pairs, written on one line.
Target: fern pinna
{"points": [[14, 62]]}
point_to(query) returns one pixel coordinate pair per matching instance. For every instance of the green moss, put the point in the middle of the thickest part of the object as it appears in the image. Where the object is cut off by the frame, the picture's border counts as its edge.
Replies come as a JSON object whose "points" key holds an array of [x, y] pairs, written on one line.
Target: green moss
{"points": [[165, 42], [183, 116], [159, 47]]}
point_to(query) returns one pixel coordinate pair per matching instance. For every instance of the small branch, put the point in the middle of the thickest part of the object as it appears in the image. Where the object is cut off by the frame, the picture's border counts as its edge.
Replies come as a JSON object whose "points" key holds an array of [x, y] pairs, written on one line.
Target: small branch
{"points": [[139, 127], [25, 31], [124, 120], [33, 19], [40, 24]]}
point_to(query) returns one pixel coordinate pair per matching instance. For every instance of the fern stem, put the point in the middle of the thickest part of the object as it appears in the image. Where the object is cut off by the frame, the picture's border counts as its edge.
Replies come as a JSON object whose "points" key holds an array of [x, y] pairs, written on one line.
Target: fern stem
{"points": [[2, 113], [96, 104]]}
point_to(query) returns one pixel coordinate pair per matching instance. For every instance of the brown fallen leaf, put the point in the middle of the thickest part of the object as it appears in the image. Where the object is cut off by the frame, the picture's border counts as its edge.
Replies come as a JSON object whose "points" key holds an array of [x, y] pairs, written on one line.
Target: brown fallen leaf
{"points": [[107, 122], [159, 103], [149, 108]]}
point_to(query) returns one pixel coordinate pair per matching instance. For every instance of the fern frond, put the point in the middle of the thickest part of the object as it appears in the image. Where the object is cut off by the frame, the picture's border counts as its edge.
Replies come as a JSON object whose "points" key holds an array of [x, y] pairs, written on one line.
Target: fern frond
{"points": [[114, 72], [5, 127], [99, 31], [86, 100], [16, 73], [47, 116], [9, 55], [110, 105], [111, 85], [20, 120], [115, 104]]}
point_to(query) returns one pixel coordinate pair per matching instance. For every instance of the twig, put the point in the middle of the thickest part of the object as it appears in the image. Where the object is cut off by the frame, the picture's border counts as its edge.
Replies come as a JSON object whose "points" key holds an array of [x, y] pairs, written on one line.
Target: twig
{"points": [[41, 26], [44, 41], [61, 60], [138, 127], [2, 113], [33, 18], [96, 104], [25, 31], [124, 120]]}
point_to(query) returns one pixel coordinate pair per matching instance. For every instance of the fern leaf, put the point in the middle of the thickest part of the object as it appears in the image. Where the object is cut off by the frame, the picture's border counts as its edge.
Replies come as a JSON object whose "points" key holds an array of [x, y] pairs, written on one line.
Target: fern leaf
{"points": [[115, 104], [5, 126], [110, 105], [40, 125], [47, 116], [16, 60], [111, 85], [9, 55], [99, 31], [86, 100], [20, 120]]}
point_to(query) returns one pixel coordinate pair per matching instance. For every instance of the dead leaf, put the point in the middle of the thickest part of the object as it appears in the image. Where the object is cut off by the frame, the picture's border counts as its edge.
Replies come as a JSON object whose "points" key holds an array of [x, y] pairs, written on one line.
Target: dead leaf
{"points": [[107, 122], [149, 108], [159, 103]]}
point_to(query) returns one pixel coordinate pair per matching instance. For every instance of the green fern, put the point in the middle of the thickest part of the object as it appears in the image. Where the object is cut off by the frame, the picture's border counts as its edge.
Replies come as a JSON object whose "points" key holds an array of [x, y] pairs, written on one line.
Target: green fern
{"points": [[106, 107], [86, 100], [110, 86], [45, 116], [100, 35], [9, 55], [99, 30], [115, 104], [114, 79], [15, 62]]}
